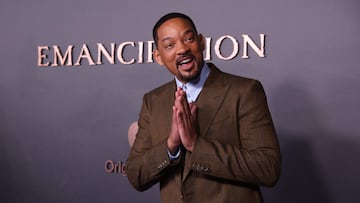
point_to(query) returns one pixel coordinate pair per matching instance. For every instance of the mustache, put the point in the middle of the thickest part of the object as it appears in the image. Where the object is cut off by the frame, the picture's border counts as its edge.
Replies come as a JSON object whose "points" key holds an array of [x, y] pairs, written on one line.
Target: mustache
{"points": [[184, 57]]}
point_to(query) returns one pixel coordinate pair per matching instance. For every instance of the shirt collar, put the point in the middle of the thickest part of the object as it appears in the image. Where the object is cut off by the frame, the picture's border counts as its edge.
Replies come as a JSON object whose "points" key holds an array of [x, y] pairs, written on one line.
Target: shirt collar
{"points": [[194, 87]]}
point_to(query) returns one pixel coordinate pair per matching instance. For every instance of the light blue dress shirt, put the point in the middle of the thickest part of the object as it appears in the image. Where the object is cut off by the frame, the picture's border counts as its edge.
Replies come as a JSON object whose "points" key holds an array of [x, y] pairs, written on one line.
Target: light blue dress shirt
{"points": [[194, 87]]}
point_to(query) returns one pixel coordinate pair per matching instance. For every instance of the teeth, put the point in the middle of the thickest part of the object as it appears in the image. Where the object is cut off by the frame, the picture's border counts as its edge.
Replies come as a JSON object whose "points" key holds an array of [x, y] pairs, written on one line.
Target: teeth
{"points": [[185, 61]]}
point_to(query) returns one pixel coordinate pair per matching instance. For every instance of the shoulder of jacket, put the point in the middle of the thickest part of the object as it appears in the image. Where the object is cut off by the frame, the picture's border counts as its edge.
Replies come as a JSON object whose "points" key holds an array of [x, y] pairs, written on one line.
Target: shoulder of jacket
{"points": [[239, 81], [161, 89], [232, 78]]}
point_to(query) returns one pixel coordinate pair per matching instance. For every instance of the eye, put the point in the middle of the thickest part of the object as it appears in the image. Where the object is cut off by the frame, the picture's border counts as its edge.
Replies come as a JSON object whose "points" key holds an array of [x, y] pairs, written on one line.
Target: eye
{"points": [[189, 39], [169, 46]]}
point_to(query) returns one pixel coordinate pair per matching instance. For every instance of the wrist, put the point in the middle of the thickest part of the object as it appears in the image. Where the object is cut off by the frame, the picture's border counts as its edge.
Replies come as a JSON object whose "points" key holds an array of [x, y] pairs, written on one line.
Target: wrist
{"points": [[172, 148]]}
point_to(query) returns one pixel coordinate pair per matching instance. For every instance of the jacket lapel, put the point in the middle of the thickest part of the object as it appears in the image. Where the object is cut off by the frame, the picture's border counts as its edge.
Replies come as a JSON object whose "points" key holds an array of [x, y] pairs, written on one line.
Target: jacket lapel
{"points": [[210, 100], [208, 103]]}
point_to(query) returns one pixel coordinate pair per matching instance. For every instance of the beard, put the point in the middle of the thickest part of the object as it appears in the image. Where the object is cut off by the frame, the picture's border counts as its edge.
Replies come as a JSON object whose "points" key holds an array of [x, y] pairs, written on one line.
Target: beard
{"points": [[189, 76]]}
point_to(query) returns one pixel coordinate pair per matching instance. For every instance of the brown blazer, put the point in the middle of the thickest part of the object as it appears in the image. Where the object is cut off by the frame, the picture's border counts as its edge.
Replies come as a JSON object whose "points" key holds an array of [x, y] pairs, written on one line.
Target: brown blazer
{"points": [[236, 151]]}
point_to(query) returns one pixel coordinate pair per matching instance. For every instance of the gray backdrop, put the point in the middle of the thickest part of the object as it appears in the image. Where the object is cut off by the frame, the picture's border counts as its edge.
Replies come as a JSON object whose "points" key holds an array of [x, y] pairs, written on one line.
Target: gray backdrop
{"points": [[59, 125]]}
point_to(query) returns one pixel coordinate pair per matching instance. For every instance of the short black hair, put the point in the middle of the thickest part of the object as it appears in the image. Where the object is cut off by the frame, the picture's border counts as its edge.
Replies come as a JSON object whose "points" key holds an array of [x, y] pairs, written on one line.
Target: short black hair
{"points": [[167, 17]]}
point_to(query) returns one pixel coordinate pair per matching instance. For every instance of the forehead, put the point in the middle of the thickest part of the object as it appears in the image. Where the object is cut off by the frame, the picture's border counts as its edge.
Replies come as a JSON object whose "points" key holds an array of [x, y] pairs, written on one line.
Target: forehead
{"points": [[174, 25]]}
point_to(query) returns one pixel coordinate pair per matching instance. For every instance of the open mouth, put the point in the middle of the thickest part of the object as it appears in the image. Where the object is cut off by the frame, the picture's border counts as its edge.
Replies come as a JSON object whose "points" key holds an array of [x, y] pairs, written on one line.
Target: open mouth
{"points": [[185, 63]]}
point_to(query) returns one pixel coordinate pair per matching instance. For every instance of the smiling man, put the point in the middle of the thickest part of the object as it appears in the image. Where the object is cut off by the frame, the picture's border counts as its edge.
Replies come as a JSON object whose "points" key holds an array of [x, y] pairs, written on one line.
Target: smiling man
{"points": [[206, 136]]}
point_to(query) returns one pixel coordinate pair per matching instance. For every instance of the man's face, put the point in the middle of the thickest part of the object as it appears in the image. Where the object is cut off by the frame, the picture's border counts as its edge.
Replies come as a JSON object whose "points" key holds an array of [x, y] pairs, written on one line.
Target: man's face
{"points": [[180, 49]]}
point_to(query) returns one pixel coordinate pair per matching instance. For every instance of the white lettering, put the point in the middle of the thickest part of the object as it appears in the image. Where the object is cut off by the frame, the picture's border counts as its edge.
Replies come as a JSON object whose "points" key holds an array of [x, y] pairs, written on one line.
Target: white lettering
{"points": [[207, 56], [150, 46], [84, 53], [218, 49], [248, 41], [58, 55], [141, 52], [102, 51], [120, 53], [114, 52], [42, 56]]}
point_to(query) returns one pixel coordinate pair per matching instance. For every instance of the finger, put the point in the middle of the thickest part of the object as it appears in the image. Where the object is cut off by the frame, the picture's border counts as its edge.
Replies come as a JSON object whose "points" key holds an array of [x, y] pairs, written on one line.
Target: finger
{"points": [[174, 136], [193, 109], [180, 101], [186, 107], [184, 102], [174, 115]]}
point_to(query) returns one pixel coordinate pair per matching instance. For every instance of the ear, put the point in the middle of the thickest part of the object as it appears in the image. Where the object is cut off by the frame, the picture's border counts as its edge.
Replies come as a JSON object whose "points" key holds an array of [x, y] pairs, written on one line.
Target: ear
{"points": [[157, 57], [202, 42]]}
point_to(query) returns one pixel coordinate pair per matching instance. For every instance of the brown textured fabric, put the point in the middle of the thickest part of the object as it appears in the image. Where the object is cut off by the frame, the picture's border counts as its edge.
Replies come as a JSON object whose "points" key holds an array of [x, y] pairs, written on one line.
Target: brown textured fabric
{"points": [[236, 151]]}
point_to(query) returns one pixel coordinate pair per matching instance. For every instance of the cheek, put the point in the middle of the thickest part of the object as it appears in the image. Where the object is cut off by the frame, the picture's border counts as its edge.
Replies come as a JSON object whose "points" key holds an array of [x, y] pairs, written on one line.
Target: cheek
{"points": [[168, 59], [198, 49]]}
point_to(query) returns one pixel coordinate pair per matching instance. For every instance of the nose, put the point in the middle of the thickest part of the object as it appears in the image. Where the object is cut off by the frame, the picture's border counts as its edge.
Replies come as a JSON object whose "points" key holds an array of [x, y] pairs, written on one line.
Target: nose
{"points": [[183, 48]]}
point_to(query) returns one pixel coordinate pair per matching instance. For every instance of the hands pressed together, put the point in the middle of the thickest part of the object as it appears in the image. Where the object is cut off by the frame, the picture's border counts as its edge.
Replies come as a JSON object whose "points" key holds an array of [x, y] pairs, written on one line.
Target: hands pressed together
{"points": [[184, 124]]}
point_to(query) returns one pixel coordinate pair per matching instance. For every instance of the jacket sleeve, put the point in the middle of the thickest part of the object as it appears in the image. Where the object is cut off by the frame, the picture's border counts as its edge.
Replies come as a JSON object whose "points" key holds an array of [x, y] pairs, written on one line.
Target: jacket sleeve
{"points": [[255, 159], [147, 161]]}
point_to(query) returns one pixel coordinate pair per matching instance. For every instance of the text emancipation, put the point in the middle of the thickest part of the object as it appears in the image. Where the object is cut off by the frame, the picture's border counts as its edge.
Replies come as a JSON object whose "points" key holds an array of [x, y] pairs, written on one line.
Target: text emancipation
{"points": [[119, 53]]}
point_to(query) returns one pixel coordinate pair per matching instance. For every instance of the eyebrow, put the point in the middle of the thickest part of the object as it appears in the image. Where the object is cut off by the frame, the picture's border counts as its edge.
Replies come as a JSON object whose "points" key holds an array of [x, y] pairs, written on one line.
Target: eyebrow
{"points": [[165, 39], [189, 31]]}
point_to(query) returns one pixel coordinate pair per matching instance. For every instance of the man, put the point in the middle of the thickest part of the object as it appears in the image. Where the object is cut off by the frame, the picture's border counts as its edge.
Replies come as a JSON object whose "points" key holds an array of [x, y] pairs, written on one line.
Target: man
{"points": [[206, 136]]}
